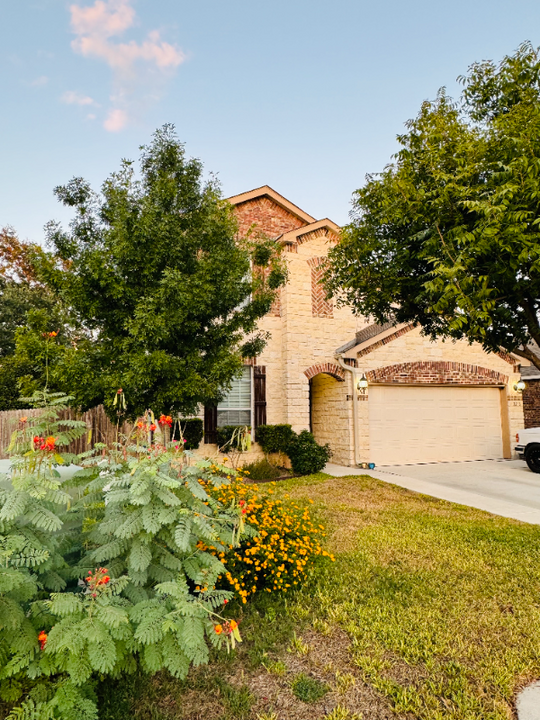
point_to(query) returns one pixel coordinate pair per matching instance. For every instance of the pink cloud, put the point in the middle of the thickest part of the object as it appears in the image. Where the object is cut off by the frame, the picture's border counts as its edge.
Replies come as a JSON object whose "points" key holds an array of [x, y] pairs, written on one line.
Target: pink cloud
{"points": [[105, 19], [135, 66], [74, 98], [116, 120]]}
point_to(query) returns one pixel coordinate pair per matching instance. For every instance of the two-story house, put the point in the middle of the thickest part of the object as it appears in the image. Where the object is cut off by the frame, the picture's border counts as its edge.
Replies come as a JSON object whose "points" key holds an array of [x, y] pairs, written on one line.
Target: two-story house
{"points": [[424, 401]]}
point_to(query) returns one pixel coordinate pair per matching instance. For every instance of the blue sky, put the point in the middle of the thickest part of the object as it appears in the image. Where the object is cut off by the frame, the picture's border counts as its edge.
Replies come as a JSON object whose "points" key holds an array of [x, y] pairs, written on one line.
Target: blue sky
{"points": [[304, 95]]}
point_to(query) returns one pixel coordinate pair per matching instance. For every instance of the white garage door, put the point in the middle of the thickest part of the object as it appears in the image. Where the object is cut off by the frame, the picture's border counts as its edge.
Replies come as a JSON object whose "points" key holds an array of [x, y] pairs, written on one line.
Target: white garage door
{"points": [[434, 424]]}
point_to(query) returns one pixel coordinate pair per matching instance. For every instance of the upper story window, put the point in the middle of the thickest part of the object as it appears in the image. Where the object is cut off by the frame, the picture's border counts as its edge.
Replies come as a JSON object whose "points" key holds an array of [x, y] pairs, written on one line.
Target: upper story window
{"points": [[236, 406]]}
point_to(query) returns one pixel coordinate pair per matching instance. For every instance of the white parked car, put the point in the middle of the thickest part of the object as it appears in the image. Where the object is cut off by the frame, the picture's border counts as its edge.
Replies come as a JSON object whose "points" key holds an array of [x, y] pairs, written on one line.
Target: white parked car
{"points": [[528, 447]]}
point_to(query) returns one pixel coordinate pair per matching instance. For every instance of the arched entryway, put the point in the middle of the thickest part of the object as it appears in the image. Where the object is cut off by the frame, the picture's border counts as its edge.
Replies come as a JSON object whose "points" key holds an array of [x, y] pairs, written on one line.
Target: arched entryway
{"points": [[331, 410]]}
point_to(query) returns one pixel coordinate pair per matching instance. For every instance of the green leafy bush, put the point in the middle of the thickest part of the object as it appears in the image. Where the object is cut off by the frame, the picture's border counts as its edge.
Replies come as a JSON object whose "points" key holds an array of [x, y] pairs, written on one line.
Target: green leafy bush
{"points": [[145, 513], [237, 437], [192, 431], [262, 470], [306, 455], [274, 438]]}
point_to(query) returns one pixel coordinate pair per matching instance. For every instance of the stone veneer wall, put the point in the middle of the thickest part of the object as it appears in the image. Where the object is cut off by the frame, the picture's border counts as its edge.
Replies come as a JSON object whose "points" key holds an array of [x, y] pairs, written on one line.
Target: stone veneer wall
{"points": [[531, 404], [297, 339], [331, 416]]}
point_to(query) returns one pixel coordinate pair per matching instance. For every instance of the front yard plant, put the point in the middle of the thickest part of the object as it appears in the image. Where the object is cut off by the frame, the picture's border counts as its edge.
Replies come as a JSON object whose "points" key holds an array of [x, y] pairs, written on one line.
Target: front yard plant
{"points": [[287, 545], [106, 576]]}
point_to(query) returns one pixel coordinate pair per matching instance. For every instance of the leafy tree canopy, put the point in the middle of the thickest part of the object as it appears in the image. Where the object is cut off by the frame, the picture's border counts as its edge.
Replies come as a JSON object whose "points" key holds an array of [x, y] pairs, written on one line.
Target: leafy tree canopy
{"points": [[447, 236], [165, 293], [26, 305]]}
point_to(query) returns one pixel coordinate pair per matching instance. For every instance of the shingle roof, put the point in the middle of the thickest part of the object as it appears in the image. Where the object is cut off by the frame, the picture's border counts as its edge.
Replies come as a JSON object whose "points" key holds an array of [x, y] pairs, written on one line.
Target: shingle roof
{"points": [[365, 334], [530, 372]]}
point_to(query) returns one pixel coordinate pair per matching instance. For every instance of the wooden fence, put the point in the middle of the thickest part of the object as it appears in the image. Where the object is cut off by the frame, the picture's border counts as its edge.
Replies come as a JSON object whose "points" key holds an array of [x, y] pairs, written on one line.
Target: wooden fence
{"points": [[99, 428]]}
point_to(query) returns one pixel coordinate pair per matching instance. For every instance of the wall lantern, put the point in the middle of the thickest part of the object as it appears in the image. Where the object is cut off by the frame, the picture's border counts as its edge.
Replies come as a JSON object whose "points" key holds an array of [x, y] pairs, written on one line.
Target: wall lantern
{"points": [[519, 386], [362, 384]]}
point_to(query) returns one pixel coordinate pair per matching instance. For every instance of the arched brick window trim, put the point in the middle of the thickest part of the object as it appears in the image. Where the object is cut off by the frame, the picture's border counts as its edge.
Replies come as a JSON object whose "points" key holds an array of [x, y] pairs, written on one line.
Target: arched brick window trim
{"points": [[329, 368], [431, 373]]}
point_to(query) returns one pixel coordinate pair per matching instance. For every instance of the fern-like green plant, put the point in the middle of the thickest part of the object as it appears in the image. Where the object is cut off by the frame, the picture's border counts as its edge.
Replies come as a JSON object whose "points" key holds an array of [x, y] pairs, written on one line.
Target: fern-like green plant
{"points": [[143, 512]]}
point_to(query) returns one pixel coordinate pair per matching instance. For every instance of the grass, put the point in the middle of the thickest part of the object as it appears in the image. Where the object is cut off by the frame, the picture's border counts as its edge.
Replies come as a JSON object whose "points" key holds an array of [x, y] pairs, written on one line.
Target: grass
{"points": [[431, 611]]}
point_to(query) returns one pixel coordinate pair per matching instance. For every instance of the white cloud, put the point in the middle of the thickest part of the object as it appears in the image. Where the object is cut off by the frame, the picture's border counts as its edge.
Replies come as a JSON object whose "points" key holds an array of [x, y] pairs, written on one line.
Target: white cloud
{"points": [[136, 67], [74, 98]]}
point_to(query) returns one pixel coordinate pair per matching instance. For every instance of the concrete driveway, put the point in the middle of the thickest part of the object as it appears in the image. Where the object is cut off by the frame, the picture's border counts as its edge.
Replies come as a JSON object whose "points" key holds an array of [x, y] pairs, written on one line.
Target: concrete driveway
{"points": [[502, 487]]}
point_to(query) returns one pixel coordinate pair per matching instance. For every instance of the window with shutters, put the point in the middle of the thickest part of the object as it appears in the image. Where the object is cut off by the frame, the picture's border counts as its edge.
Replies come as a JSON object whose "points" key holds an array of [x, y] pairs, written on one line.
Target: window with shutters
{"points": [[236, 407]]}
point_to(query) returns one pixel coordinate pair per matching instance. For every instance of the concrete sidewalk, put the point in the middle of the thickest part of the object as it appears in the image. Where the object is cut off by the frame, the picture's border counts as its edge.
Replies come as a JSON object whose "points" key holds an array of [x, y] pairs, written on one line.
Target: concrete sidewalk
{"points": [[502, 487]]}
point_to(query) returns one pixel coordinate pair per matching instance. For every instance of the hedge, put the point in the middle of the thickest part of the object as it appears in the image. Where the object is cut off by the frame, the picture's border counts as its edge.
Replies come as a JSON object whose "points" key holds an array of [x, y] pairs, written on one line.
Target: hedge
{"points": [[274, 438]]}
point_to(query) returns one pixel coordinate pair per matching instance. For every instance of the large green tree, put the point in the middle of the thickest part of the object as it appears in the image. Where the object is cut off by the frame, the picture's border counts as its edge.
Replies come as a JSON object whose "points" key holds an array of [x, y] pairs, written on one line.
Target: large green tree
{"points": [[28, 309], [447, 235], [166, 295]]}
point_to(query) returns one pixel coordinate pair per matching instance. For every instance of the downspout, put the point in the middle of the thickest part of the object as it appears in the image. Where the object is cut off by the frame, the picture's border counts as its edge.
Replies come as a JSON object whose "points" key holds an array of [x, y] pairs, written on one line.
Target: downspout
{"points": [[356, 427]]}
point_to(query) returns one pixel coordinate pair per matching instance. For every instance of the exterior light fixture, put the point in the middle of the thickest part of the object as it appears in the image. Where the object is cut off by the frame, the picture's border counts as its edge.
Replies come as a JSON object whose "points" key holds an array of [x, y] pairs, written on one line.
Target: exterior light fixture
{"points": [[362, 384], [519, 386]]}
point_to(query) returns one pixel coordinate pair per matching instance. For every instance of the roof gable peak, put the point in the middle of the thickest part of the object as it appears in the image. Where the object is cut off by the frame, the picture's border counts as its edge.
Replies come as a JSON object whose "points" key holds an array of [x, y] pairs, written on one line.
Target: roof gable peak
{"points": [[268, 192]]}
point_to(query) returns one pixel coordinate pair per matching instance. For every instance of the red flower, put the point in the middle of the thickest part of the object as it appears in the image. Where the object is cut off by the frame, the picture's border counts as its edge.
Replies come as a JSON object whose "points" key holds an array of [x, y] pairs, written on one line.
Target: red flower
{"points": [[165, 420], [153, 427]]}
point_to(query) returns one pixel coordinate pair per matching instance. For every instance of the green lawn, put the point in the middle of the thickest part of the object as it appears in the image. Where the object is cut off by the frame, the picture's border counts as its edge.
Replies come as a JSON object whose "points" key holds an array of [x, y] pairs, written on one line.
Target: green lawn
{"points": [[431, 611]]}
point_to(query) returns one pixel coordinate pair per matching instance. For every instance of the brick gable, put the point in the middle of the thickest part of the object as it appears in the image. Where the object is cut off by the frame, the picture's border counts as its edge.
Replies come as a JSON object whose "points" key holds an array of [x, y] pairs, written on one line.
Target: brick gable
{"points": [[267, 216]]}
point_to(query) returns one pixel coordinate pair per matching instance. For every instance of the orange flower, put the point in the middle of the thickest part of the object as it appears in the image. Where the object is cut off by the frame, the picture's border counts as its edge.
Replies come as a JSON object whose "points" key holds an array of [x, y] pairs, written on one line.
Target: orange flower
{"points": [[23, 420], [233, 624], [218, 629], [42, 639], [153, 427]]}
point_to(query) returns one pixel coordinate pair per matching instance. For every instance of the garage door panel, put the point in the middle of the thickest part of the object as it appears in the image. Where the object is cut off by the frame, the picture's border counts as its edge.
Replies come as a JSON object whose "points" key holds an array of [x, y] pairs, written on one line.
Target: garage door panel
{"points": [[430, 424]]}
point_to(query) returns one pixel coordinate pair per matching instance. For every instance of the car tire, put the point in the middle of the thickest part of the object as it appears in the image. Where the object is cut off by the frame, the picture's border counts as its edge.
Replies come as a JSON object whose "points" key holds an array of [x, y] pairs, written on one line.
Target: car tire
{"points": [[532, 457]]}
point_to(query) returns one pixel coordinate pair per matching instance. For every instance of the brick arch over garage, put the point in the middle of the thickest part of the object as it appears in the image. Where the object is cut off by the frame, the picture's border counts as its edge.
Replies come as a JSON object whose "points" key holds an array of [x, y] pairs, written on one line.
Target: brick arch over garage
{"points": [[329, 368], [436, 373]]}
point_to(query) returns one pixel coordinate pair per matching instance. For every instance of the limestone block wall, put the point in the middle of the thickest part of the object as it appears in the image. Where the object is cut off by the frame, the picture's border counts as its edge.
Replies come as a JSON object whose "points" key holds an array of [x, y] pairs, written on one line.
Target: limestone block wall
{"points": [[299, 339], [331, 416]]}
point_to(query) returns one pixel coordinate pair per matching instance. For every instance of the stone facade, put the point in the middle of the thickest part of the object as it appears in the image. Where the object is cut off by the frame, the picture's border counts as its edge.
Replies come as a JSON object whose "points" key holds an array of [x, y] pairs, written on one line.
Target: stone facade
{"points": [[305, 385], [331, 416]]}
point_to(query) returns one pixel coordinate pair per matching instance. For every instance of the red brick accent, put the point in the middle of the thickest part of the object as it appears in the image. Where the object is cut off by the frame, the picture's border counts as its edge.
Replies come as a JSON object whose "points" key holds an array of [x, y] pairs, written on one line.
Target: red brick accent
{"points": [[320, 306], [509, 359], [531, 403], [313, 234], [275, 310], [329, 368], [440, 373], [384, 341], [268, 217]]}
